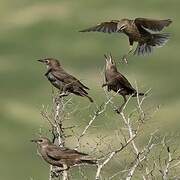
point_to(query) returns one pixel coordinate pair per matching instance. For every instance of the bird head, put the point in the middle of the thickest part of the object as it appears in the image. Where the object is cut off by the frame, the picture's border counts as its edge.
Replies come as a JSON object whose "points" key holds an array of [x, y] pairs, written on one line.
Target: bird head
{"points": [[110, 63], [50, 62], [42, 141], [122, 24]]}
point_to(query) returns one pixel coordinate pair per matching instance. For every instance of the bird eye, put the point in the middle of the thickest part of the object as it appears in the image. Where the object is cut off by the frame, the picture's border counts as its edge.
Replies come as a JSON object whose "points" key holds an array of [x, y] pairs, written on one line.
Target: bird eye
{"points": [[40, 140], [47, 61]]}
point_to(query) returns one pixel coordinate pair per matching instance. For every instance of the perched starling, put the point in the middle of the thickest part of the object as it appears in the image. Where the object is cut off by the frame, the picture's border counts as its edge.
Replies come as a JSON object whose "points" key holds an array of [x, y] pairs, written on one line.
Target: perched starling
{"points": [[59, 156], [65, 82], [117, 82], [140, 30]]}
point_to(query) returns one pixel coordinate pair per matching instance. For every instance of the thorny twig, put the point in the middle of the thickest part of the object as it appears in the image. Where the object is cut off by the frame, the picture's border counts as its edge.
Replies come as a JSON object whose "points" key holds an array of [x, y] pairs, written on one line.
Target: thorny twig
{"points": [[129, 133], [57, 129], [98, 112]]}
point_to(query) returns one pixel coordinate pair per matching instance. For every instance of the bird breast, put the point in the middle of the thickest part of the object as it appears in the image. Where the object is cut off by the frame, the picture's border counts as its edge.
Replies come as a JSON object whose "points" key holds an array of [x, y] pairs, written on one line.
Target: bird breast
{"points": [[132, 32], [54, 81], [111, 76]]}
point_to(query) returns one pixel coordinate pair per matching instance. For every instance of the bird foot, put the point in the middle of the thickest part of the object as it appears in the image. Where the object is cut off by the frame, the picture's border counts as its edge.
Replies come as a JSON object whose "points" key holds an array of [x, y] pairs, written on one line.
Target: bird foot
{"points": [[60, 96], [59, 170], [63, 94]]}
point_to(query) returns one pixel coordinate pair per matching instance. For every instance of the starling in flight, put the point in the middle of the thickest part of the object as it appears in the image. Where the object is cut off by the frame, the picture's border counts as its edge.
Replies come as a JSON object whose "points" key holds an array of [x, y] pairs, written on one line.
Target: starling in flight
{"points": [[62, 80], [59, 156], [141, 30], [117, 82]]}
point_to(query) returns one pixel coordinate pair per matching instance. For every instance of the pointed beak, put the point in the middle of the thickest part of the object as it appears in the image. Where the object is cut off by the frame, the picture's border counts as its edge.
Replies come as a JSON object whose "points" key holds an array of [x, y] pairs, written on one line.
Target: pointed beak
{"points": [[110, 59], [34, 140], [41, 60], [106, 58]]}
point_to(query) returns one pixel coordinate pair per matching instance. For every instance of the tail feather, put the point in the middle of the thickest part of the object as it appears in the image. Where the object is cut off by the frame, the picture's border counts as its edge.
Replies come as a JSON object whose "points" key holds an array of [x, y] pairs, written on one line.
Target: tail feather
{"points": [[90, 99], [160, 40], [139, 94], [88, 161], [143, 49], [157, 40]]}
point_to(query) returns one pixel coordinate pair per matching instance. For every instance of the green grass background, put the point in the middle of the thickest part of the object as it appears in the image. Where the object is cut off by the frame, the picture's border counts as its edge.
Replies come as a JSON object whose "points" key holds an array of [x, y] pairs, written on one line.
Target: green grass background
{"points": [[40, 28]]}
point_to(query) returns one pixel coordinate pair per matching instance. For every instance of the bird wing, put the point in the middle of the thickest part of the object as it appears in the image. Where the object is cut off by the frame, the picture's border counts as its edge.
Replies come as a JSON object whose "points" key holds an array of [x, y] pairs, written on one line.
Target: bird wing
{"points": [[106, 27], [67, 78], [57, 153], [124, 82], [151, 24]]}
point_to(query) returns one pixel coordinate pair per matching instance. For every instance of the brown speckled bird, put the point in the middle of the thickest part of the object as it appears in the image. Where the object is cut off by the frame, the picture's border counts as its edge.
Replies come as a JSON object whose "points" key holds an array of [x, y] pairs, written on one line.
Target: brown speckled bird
{"points": [[140, 30], [59, 156], [62, 80], [117, 82]]}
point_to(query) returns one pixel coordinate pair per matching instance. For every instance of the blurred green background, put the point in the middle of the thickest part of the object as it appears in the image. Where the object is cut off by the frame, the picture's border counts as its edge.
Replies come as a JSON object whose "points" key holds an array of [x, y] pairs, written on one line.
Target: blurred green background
{"points": [[42, 28]]}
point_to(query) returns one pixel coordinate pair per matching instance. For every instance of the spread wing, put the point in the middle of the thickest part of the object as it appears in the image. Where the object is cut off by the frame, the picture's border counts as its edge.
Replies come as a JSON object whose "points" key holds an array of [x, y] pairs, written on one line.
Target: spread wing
{"points": [[67, 78], [57, 153], [105, 27], [152, 24]]}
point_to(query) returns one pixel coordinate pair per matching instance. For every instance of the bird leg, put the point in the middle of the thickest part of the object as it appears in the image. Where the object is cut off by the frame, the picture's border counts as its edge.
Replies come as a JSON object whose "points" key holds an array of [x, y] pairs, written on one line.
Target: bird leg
{"points": [[105, 84], [124, 58], [63, 94], [119, 110], [64, 91]]}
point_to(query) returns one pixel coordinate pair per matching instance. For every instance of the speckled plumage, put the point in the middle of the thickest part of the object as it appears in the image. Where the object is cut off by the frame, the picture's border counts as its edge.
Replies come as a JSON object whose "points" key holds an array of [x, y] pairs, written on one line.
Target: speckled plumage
{"points": [[63, 80], [141, 30], [59, 156]]}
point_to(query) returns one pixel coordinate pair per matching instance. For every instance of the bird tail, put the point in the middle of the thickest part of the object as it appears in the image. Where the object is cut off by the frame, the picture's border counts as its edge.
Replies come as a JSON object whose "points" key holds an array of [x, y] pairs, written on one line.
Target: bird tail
{"points": [[90, 99], [86, 94], [139, 94], [157, 40], [89, 161]]}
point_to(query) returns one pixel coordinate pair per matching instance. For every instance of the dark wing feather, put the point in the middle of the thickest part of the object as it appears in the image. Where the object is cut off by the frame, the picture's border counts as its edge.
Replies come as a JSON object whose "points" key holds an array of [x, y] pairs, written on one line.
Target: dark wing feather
{"points": [[57, 153], [124, 82], [67, 78], [151, 24], [106, 27]]}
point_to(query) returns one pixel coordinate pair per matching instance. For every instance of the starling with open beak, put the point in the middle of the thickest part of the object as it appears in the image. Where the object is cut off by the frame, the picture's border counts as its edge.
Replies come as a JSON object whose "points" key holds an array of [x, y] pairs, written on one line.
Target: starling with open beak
{"points": [[60, 156], [141, 30], [65, 82], [117, 82]]}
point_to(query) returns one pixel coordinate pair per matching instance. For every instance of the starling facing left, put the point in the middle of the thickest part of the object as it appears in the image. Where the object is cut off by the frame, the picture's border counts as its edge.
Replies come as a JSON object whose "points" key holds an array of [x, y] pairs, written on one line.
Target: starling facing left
{"points": [[62, 80], [59, 156], [141, 30]]}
